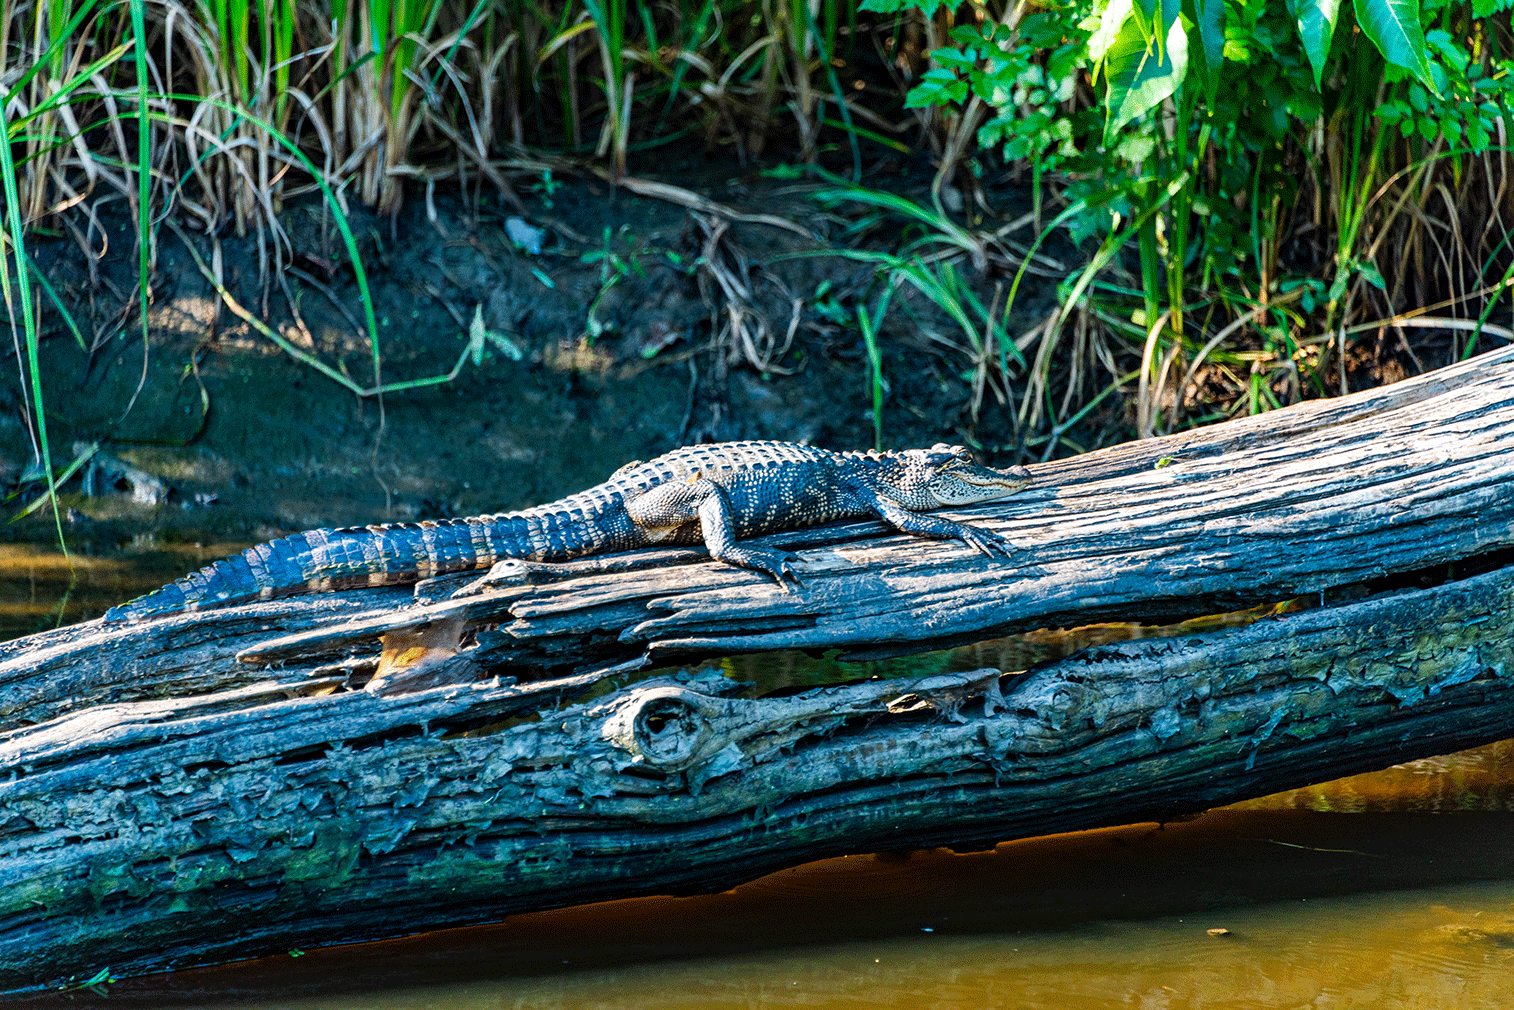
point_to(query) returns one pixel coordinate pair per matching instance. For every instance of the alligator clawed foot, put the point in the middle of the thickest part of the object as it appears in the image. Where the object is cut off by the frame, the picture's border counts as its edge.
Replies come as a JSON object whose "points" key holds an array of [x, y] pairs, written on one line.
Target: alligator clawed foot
{"points": [[987, 542], [779, 569], [785, 575], [777, 565]]}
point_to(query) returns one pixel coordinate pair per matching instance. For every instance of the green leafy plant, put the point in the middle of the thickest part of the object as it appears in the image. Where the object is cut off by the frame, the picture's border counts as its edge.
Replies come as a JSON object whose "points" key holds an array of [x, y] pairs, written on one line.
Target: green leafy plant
{"points": [[1216, 125]]}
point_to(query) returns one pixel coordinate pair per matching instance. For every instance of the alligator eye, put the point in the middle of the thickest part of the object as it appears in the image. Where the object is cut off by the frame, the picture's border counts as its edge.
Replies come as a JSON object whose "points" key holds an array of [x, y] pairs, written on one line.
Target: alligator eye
{"points": [[965, 456]]}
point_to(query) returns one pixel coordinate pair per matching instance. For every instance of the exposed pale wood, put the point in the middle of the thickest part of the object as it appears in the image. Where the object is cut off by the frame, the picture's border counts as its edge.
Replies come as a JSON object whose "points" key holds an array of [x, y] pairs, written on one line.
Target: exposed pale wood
{"points": [[162, 803]]}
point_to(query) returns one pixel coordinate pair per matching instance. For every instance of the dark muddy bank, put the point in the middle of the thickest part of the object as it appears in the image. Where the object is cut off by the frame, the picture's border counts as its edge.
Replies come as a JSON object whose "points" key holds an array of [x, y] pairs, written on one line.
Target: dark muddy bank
{"points": [[606, 346]]}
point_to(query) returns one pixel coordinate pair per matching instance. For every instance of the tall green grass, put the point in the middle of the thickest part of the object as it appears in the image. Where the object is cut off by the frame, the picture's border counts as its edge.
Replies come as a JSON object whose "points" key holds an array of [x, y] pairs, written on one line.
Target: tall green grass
{"points": [[1254, 186], [220, 110]]}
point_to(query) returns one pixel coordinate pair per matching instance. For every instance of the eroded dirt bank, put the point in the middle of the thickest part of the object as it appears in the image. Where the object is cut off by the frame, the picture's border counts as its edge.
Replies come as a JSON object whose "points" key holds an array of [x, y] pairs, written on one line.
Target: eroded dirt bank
{"points": [[614, 342]]}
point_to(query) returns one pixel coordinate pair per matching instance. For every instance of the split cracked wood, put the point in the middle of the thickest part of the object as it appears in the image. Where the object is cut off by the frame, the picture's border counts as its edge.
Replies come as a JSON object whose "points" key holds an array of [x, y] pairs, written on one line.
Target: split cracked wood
{"points": [[162, 803]]}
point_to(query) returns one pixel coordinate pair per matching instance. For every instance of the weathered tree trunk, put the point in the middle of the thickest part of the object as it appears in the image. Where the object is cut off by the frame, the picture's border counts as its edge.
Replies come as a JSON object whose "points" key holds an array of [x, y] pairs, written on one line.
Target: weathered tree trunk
{"points": [[163, 803]]}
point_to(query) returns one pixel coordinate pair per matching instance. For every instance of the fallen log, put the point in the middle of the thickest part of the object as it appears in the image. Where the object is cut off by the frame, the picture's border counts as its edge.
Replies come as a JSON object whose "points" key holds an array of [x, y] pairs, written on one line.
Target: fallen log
{"points": [[168, 797]]}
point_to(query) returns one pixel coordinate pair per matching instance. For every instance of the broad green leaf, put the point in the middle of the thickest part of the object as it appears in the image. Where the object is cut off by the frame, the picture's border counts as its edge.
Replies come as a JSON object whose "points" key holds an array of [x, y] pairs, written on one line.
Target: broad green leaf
{"points": [[1136, 148], [1274, 112], [1394, 27], [948, 57], [1305, 105], [1316, 27], [1145, 62], [1477, 136], [1110, 22], [1445, 46], [1208, 17], [937, 86]]}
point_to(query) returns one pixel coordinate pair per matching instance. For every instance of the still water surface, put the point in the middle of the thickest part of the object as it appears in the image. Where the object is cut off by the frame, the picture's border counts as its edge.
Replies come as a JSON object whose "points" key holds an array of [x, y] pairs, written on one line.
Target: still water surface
{"points": [[1392, 890]]}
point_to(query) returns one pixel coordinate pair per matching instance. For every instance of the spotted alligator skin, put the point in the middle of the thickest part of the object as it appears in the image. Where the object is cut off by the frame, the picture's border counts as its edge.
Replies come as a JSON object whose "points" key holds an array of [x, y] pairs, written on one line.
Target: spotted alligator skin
{"points": [[711, 494]]}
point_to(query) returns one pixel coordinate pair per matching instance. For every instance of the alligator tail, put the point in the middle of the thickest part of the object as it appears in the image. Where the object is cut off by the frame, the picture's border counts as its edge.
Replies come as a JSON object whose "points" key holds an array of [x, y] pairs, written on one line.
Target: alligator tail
{"points": [[355, 557]]}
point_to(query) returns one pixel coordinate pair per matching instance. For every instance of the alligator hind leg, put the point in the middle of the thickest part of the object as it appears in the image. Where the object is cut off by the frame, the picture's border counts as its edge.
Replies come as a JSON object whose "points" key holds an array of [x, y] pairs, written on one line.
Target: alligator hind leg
{"points": [[715, 520], [662, 511]]}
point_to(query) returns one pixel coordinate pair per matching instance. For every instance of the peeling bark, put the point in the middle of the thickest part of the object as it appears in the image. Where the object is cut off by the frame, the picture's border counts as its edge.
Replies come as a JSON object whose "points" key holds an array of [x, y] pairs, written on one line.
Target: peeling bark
{"points": [[163, 803]]}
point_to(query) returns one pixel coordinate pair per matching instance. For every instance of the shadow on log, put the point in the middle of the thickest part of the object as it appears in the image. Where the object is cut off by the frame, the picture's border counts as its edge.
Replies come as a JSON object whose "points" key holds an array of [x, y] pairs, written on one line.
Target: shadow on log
{"points": [[217, 785]]}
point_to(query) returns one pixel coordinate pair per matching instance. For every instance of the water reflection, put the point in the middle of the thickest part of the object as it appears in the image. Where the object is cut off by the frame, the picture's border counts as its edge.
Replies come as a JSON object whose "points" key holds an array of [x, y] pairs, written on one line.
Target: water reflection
{"points": [[782, 672], [1317, 910], [1478, 779], [42, 589]]}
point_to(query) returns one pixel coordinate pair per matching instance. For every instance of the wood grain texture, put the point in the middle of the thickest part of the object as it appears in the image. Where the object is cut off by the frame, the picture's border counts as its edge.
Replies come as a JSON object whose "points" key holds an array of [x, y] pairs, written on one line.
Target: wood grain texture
{"points": [[1268, 508], [163, 804]]}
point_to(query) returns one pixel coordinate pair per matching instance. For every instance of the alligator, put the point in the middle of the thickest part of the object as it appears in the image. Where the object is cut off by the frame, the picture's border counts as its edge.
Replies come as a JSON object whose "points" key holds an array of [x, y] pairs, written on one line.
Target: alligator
{"points": [[713, 494]]}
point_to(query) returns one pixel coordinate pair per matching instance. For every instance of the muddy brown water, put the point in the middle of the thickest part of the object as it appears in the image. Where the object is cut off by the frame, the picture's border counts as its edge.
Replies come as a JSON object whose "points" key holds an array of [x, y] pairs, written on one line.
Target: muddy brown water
{"points": [[1394, 889]]}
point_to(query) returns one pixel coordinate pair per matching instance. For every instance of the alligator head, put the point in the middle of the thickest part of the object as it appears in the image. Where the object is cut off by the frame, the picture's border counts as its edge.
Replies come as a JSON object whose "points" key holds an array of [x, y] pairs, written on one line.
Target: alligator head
{"points": [[924, 479]]}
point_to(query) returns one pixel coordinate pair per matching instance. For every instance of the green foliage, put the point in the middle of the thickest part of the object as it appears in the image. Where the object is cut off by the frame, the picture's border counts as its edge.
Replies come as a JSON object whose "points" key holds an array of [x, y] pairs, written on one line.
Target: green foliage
{"points": [[1316, 21], [1208, 51], [1142, 49], [1215, 119], [1465, 108], [1394, 28], [1228, 161], [928, 7], [1025, 77]]}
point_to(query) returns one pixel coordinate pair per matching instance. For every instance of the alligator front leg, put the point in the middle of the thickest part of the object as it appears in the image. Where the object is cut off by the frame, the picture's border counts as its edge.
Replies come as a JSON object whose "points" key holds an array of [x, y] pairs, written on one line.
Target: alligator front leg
{"points": [[921, 524]]}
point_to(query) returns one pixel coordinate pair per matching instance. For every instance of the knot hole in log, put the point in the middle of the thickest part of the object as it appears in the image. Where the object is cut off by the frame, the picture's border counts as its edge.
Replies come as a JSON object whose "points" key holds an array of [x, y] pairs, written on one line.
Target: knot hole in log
{"points": [[668, 728]]}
